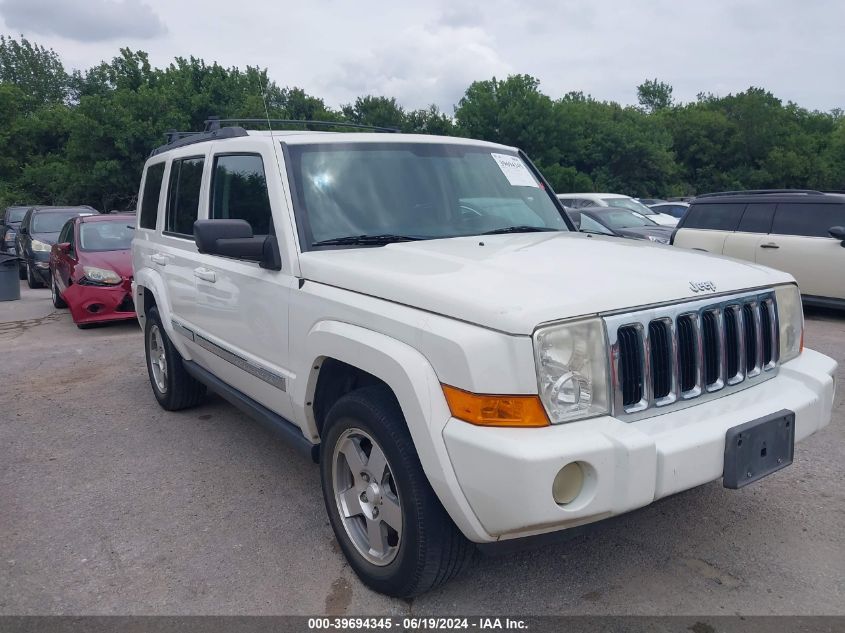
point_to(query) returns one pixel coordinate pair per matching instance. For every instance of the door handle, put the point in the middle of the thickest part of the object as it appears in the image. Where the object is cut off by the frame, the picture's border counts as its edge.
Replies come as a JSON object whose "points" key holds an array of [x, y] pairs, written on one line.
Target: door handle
{"points": [[160, 260], [205, 274], [769, 245]]}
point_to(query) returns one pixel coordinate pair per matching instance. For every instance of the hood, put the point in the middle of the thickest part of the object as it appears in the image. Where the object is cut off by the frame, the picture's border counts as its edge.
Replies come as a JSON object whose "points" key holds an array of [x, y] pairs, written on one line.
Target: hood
{"points": [[664, 219], [118, 261], [47, 238], [642, 231], [514, 282]]}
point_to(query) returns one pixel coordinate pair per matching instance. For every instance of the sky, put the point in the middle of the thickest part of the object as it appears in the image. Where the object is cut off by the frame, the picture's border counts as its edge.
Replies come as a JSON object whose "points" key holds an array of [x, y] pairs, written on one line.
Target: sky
{"points": [[429, 52]]}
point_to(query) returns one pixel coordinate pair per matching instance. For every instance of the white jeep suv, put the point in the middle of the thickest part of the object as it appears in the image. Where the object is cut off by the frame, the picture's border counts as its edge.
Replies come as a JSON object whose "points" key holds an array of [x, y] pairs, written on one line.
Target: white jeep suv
{"points": [[418, 314]]}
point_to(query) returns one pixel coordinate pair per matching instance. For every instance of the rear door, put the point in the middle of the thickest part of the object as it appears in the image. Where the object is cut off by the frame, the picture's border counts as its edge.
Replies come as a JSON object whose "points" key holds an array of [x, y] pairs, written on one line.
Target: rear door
{"points": [[177, 249], [706, 225], [753, 230], [241, 318], [801, 245]]}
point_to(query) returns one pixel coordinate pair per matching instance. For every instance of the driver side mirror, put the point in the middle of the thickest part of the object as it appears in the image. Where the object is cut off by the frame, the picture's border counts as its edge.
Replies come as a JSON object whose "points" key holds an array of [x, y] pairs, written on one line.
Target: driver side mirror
{"points": [[63, 248], [234, 238], [838, 232]]}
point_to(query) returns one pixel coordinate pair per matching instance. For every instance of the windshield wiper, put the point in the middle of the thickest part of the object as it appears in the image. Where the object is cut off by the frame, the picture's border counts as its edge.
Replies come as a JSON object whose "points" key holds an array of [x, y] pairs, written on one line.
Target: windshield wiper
{"points": [[520, 229], [367, 240]]}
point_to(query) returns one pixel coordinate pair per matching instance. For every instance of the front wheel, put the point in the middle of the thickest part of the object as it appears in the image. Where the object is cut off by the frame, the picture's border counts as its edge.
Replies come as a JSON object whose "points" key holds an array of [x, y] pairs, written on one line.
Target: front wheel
{"points": [[173, 386], [389, 523], [58, 302], [31, 278]]}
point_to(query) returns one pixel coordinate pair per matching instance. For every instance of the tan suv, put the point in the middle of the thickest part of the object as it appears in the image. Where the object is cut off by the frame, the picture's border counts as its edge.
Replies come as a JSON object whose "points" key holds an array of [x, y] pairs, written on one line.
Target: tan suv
{"points": [[799, 232]]}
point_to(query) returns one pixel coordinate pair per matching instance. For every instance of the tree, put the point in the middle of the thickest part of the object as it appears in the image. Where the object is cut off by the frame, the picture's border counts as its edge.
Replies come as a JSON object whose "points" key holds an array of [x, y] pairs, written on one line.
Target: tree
{"points": [[654, 95], [36, 71]]}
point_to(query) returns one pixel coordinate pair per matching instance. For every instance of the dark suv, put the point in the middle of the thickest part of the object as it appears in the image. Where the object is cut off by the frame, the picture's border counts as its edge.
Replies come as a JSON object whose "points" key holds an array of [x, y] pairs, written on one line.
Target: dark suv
{"points": [[37, 234], [800, 232], [9, 224]]}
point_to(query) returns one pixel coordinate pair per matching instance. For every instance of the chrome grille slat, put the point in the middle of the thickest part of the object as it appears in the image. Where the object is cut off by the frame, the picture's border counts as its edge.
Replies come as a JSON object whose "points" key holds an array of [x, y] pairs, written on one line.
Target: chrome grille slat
{"points": [[702, 341]]}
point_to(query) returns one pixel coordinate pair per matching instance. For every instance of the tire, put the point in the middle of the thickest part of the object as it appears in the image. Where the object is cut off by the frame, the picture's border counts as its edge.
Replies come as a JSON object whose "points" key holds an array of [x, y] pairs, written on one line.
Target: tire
{"points": [[174, 388], [428, 550], [31, 280], [58, 302]]}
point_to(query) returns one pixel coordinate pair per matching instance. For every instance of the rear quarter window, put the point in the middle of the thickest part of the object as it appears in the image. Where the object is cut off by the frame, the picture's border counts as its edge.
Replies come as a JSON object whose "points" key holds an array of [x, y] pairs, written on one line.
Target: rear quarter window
{"points": [[715, 216], [150, 195], [808, 219]]}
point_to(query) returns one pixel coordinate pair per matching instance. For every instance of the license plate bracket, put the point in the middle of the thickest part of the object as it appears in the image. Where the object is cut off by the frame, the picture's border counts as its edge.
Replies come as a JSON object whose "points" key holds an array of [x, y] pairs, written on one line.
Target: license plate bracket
{"points": [[758, 448]]}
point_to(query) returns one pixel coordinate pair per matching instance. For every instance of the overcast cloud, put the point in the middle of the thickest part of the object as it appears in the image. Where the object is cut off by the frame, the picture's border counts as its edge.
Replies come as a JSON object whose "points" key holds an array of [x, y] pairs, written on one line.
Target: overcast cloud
{"points": [[83, 20], [424, 53]]}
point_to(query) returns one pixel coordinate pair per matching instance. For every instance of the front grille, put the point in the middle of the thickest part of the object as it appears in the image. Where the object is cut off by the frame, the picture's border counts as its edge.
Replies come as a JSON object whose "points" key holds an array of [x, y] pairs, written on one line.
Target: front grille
{"points": [[631, 375], [679, 355], [686, 352]]}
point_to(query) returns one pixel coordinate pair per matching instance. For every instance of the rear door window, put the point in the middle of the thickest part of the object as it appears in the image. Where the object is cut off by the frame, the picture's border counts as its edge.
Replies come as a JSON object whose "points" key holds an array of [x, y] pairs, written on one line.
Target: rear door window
{"points": [[183, 196], [149, 201], [722, 216], [808, 219], [757, 218]]}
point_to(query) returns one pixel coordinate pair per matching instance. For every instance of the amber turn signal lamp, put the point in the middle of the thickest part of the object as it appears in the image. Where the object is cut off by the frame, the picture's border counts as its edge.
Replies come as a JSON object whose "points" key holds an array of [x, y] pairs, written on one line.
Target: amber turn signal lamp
{"points": [[494, 410]]}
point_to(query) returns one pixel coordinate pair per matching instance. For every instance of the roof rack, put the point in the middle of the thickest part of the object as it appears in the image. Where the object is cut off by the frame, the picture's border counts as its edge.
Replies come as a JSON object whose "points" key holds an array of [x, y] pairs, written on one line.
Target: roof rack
{"points": [[179, 139], [216, 123], [760, 192], [217, 128]]}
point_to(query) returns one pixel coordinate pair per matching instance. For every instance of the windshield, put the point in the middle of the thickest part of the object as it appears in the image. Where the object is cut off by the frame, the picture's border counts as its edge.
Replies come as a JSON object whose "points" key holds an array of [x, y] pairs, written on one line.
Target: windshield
{"points": [[623, 219], [416, 190], [52, 221], [589, 225], [629, 203], [109, 235], [15, 214]]}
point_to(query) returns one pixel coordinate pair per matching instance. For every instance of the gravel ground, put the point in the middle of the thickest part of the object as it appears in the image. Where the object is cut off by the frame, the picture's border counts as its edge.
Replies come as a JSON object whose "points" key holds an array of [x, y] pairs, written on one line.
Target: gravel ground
{"points": [[109, 505]]}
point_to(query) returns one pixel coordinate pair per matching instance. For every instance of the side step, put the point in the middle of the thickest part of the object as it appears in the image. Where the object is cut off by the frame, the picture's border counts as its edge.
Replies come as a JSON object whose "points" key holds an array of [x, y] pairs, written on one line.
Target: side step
{"points": [[283, 428]]}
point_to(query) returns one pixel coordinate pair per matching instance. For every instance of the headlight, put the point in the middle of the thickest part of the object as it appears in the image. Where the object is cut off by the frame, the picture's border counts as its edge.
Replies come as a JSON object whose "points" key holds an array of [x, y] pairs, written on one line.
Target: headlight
{"points": [[572, 370], [659, 240], [791, 321], [101, 275], [42, 247]]}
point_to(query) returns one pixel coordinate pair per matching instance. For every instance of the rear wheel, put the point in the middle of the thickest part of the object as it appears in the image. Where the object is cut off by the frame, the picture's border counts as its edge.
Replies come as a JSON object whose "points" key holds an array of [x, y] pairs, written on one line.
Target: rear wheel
{"points": [[389, 523], [32, 279], [58, 302], [173, 386]]}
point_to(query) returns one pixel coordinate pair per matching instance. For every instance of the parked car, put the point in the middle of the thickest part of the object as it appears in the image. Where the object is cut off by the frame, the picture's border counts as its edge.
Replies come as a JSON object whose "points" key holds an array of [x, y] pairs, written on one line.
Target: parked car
{"points": [[418, 314], [588, 200], [620, 222], [38, 232], [802, 233], [9, 224], [649, 202], [91, 268], [675, 209]]}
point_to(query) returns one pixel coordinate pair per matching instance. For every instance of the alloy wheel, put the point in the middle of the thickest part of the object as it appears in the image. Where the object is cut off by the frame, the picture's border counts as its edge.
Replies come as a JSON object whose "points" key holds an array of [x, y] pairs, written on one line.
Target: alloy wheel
{"points": [[157, 358], [367, 497]]}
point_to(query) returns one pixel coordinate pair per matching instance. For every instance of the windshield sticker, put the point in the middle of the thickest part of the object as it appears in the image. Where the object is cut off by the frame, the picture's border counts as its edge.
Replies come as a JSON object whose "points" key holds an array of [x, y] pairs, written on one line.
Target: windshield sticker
{"points": [[515, 170]]}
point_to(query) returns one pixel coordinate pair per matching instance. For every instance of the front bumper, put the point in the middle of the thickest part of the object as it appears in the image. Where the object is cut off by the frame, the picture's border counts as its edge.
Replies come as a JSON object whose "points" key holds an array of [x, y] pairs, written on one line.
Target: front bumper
{"points": [[506, 474], [95, 304]]}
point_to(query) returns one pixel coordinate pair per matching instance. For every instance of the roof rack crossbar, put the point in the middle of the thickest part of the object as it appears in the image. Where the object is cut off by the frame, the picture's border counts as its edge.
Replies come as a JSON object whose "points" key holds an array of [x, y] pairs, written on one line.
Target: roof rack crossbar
{"points": [[215, 123], [760, 192]]}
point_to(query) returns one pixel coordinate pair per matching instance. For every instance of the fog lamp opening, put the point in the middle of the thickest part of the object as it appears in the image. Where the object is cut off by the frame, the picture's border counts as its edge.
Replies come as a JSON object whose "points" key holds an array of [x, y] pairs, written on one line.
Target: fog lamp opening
{"points": [[568, 483]]}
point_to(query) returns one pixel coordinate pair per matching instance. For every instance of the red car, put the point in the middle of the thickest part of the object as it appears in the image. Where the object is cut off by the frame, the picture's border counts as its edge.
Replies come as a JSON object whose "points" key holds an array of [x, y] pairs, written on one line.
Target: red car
{"points": [[91, 269]]}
